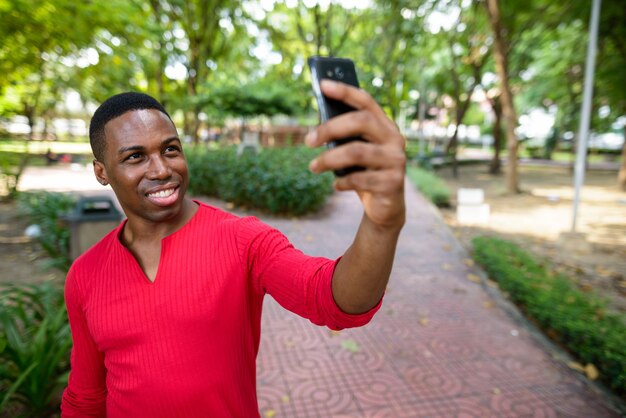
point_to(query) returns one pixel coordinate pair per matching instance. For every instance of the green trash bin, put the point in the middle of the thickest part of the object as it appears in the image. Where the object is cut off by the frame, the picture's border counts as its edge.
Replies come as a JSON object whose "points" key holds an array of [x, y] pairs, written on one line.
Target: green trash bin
{"points": [[92, 218]]}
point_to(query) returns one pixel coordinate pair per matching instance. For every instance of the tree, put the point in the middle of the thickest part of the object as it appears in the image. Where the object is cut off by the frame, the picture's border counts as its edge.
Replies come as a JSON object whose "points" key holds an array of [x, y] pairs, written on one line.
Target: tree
{"points": [[37, 49], [465, 48], [207, 25], [501, 52], [612, 61]]}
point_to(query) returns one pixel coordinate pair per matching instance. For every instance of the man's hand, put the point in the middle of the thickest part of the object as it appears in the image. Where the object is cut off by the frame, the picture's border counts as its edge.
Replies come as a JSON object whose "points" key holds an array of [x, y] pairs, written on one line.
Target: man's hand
{"points": [[381, 185], [361, 276]]}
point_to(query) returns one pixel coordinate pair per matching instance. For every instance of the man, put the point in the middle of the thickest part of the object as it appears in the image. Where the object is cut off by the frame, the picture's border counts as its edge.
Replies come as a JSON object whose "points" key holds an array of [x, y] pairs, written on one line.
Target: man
{"points": [[165, 310]]}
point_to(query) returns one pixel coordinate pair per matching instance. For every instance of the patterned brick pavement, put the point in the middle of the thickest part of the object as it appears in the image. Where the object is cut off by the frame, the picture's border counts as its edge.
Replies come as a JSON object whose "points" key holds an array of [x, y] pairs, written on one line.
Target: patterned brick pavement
{"points": [[442, 345]]}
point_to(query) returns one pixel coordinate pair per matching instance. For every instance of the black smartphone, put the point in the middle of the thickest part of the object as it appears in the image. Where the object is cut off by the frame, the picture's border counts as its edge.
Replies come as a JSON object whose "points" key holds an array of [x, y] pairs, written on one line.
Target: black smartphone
{"points": [[337, 69]]}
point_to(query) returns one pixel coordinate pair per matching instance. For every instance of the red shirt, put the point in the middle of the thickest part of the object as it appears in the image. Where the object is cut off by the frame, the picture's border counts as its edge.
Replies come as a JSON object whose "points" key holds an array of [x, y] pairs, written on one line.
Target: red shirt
{"points": [[185, 345]]}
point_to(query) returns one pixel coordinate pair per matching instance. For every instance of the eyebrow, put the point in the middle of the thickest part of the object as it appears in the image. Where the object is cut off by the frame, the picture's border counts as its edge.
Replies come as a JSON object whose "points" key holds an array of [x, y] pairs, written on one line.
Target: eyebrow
{"points": [[142, 148]]}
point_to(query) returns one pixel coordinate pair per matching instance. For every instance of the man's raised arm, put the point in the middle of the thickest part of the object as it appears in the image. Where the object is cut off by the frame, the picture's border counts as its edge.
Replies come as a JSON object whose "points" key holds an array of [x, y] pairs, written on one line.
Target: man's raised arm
{"points": [[361, 276]]}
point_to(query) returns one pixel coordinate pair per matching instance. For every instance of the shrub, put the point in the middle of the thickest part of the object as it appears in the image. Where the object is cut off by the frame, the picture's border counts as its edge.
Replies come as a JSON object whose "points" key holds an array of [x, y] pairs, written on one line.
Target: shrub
{"points": [[45, 209], [12, 166], [276, 180], [35, 341], [579, 321], [430, 185]]}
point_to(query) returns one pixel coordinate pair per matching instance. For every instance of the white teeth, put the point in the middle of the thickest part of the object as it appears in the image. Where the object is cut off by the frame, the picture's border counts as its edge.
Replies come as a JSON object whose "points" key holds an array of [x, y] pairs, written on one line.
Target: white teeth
{"points": [[162, 193]]}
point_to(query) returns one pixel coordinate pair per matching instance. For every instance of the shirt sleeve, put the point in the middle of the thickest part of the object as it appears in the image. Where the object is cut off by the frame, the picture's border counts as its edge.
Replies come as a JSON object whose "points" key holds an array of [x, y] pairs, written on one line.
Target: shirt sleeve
{"points": [[85, 395], [300, 283]]}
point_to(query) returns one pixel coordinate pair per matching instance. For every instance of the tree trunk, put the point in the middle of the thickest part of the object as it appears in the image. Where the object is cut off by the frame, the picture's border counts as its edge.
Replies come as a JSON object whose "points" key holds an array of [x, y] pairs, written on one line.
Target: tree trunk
{"points": [[496, 105], [192, 91], [508, 108], [621, 177], [451, 150], [29, 112]]}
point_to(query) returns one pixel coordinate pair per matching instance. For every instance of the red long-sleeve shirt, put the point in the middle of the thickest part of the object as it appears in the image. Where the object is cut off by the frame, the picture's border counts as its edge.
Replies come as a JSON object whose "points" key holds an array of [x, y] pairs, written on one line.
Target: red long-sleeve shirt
{"points": [[185, 345]]}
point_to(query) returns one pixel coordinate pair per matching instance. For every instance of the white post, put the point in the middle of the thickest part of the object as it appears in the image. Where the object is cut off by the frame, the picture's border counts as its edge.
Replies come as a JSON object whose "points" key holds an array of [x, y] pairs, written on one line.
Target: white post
{"points": [[585, 116]]}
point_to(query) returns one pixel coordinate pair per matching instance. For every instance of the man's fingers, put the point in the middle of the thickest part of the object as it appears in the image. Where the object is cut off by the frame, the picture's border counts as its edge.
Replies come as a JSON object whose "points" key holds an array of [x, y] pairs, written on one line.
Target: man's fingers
{"points": [[370, 156], [356, 123], [378, 182], [353, 96]]}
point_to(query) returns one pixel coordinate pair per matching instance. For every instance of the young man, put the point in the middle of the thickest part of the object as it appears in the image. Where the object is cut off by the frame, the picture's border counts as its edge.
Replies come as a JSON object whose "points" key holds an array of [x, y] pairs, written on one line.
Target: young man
{"points": [[165, 310]]}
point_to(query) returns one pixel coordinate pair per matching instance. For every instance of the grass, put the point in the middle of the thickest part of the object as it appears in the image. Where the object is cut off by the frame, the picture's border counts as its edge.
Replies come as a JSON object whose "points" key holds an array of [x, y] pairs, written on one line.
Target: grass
{"points": [[41, 147], [431, 186], [577, 320]]}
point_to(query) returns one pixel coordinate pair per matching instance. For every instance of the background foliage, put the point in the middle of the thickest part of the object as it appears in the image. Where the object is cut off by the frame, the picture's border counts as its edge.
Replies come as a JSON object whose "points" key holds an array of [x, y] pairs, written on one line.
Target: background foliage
{"points": [[579, 321], [35, 343], [276, 180], [46, 210]]}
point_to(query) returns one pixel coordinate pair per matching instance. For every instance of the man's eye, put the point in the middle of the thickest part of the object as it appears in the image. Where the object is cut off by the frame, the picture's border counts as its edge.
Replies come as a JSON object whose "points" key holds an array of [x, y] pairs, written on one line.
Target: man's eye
{"points": [[134, 156], [171, 149]]}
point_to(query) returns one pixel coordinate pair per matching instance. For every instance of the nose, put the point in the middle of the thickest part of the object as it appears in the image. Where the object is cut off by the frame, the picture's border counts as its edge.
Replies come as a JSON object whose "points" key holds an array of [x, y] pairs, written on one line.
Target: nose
{"points": [[158, 168]]}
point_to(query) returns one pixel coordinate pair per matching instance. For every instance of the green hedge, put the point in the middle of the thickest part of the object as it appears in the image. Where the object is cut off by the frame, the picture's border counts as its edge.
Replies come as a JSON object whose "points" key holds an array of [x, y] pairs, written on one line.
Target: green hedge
{"points": [[276, 180], [579, 321], [44, 209], [430, 185]]}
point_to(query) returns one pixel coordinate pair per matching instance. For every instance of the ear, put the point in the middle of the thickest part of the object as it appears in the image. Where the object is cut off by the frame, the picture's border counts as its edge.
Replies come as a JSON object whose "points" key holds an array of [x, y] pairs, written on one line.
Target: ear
{"points": [[100, 172]]}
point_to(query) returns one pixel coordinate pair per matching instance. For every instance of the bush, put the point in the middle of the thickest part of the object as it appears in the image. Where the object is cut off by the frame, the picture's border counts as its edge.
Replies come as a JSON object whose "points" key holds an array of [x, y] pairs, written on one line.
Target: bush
{"points": [[276, 180], [12, 166], [35, 342], [45, 209], [579, 321], [430, 185]]}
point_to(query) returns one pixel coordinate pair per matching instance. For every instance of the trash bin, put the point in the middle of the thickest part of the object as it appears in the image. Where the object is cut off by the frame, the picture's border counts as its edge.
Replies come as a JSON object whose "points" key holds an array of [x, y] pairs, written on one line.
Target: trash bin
{"points": [[92, 218]]}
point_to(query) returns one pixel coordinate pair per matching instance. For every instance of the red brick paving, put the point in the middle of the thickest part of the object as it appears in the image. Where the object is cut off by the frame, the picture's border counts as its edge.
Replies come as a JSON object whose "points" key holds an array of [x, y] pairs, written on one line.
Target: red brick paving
{"points": [[441, 345]]}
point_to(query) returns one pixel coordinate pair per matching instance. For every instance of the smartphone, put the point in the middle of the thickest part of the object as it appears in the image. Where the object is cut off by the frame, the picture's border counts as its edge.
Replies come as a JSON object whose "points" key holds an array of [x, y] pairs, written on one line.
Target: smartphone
{"points": [[337, 69]]}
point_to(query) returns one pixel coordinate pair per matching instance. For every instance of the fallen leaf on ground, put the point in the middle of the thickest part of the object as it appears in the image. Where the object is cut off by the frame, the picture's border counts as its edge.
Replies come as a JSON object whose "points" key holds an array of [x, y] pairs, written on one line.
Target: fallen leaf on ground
{"points": [[447, 247], [285, 399], [469, 262], [488, 304], [446, 266], [493, 284], [230, 205], [591, 371], [576, 366], [473, 278], [270, 413], [309, 238], [604, 272], [334, 333], [496, 391], [424, 321], [350, 345]]}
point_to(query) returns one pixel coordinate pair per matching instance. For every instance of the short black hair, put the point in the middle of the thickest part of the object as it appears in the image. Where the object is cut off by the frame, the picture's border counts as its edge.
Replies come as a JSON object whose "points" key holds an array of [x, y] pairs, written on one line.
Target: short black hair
{"points": [[113, 107]]}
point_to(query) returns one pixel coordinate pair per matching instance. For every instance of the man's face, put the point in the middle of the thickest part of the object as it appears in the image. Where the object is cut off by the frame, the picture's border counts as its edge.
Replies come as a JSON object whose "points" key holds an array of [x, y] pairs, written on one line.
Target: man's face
{"points": [[145, 165]]}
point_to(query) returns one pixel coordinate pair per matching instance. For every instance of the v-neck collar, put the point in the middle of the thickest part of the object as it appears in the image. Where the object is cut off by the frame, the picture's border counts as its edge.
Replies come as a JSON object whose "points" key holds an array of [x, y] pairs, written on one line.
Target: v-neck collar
{"points": [[164, 244]]}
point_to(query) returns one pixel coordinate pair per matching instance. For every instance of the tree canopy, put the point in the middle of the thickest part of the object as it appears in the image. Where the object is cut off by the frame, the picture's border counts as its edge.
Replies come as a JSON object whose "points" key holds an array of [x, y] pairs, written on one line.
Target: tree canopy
{"points": [[217, 58]]}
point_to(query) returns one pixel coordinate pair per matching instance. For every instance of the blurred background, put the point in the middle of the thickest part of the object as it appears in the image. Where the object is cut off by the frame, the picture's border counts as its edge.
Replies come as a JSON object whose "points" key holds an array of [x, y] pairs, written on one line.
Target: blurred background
{"points": [[489, 95]]}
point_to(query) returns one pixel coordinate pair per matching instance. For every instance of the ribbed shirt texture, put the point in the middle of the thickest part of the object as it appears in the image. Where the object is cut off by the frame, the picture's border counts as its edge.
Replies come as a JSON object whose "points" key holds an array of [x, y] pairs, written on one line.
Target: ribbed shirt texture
{"points": [[185, 345]]}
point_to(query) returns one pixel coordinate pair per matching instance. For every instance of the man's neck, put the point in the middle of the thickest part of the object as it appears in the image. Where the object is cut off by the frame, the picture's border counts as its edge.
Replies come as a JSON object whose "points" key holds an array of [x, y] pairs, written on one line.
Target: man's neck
{"points": [[142, 230]]}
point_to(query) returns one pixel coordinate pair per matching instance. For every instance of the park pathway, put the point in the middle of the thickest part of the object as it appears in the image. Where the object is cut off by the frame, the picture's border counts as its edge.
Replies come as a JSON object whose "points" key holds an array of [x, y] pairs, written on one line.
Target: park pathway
{"points": [[444, 344]]}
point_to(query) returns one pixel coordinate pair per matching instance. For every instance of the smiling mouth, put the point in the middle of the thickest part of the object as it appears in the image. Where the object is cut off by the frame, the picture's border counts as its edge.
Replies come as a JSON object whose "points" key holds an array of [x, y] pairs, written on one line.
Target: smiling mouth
{"points": [[162, 193]]}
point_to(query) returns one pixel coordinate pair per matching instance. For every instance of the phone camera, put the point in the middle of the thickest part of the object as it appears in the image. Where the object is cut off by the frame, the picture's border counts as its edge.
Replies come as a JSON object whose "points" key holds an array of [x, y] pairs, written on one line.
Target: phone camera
{"points": [[339, 73]]}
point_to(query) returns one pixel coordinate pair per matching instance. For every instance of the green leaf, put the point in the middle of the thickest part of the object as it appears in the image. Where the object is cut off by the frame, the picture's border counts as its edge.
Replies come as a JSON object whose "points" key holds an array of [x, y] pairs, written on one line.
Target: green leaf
{"points": [[351, 346], [13, 388]]}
